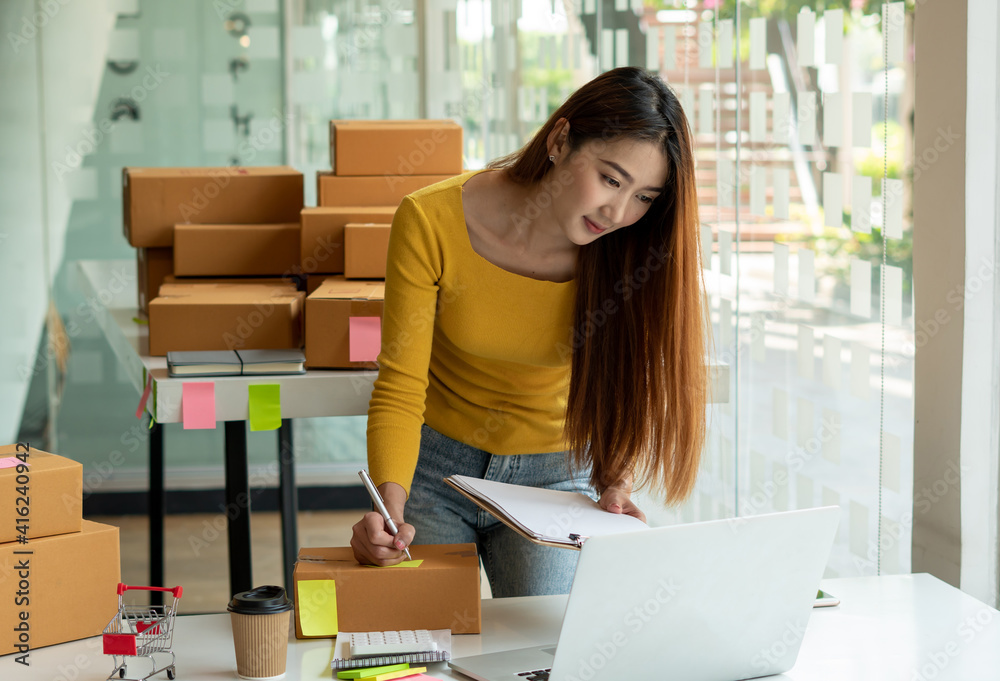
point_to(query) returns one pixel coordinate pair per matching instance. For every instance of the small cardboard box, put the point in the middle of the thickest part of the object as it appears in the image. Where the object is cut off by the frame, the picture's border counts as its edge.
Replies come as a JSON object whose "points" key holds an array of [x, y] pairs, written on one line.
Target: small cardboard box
{"points": [[53, 487], [370, 190], [440, 593], [313, 282], [153, 266], [417, 147], [366, 248], [329, 326], [323, 234], [58, 589], [225, 317], [236, 250], [156, 199]]}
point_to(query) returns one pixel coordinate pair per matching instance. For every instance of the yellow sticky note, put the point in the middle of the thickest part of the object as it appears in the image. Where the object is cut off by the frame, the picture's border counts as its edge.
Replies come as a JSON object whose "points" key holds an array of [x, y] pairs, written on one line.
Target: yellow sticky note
{"points": [[264, 402], [394, 675], [317, 606], [405, 563]]}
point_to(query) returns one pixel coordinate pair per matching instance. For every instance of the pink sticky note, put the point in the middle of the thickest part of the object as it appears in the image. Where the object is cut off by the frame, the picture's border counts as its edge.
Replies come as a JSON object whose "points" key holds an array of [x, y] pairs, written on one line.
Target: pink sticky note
{"points": [[11, 462], [365, 337], [198, 405], [145, 396]]}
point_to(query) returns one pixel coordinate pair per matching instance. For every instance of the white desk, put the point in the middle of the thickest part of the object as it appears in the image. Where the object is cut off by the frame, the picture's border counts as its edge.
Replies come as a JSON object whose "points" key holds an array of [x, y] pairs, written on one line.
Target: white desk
{"points": [[905, 628]]}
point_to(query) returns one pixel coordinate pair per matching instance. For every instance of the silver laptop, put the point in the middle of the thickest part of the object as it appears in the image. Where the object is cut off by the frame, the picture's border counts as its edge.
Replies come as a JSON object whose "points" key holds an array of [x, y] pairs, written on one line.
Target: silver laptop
{"points": [[713, 601]]}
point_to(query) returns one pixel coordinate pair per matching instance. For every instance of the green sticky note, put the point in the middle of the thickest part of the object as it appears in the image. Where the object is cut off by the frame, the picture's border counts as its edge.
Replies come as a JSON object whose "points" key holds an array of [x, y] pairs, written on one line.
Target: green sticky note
{"points": [[371, 671], [316, 601], [405, 563], [265, 407]]}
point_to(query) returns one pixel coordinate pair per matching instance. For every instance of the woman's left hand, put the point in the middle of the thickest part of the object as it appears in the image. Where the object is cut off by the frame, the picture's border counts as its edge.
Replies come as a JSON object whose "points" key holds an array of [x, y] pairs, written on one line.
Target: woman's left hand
{"points": [[619, 500]]}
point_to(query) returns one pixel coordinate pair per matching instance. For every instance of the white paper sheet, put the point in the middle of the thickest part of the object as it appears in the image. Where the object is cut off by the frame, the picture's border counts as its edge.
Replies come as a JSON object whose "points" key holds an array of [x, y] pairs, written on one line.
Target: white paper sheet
{"points": [[833, 20], [758, 116], [706, 110], [831, 361], [781, 118], [833, 200], [724, 48], [805, 414], [781, 269], [833, 119], [861, 204], [861, 288], [894, 29], [892, 190], [705, 44], [892, 296], [758, 43], [861, 119], [860, 370], [829, 434], [758, 189], [806, 351], [782, 183], [725, 252], [807, 275], [806, 118], [806, 37]]}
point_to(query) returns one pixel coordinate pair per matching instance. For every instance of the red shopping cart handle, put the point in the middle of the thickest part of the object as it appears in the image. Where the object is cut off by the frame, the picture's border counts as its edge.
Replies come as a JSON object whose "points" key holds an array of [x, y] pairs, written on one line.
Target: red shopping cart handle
{"points": [[176, 591]]}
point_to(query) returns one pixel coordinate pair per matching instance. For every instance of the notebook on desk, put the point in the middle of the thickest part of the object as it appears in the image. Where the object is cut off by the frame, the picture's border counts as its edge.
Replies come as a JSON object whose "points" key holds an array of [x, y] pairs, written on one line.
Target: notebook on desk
{"points": [[545, 516], [713, 601]]}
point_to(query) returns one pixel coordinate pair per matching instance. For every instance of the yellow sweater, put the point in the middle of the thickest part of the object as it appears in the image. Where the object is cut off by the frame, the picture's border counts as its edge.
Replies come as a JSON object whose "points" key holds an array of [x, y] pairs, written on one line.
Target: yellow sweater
{"points": [[478, 353]]}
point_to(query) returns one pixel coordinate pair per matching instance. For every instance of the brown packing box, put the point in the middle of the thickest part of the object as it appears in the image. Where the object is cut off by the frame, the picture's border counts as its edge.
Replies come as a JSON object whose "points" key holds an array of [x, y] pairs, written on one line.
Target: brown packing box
{"points": [[153, 266], [156, 199], [225, 317], [323, 234], [71, 588], [365, 250], [266, 281], [328, 312], [370, 190], [313, 282], [440, 593], [236, 250], [416, 147], [54, 494]]}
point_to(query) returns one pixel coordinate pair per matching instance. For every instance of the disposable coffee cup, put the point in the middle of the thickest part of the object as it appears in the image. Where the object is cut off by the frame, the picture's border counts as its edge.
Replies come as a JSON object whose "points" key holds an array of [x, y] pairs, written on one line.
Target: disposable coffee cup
{"points": [[260, 632]]}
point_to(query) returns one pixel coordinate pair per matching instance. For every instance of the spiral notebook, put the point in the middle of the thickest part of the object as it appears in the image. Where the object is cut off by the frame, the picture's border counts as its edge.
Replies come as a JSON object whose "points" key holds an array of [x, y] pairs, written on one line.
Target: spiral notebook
{"points": [[342, 653]]}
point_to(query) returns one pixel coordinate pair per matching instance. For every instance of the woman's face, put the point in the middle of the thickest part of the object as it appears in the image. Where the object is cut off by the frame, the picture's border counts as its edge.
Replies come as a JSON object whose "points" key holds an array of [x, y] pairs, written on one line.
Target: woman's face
{"points": [[606, 186]]}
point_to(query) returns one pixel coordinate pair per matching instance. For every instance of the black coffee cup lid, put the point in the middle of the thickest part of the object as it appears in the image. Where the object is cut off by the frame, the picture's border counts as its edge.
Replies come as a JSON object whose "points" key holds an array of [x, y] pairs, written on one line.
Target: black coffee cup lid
{"points": [[264, 600]]}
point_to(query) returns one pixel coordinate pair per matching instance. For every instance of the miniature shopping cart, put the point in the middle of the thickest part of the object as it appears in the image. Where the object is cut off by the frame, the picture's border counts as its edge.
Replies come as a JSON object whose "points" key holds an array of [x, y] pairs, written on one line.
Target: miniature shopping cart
{"points": [[141, 631]]}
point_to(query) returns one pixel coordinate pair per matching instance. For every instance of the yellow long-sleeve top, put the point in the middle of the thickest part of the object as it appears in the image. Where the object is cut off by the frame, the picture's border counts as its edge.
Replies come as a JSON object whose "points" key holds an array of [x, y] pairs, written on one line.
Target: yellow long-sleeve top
{"points": [[478, 353]]}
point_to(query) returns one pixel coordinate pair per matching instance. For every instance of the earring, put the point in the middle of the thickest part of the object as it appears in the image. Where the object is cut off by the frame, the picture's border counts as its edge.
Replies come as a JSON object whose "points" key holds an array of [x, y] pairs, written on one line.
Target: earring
{"points": [[552, 158]]}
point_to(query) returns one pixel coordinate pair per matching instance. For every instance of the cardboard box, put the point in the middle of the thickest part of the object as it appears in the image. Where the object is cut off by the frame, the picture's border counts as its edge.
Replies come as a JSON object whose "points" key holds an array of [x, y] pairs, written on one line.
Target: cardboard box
{"points": [[54, 494], [153, 266], [366, 248], [323, 234], [156, 199], [225, 317], [418, 147], [329, 310], [314, 281], [370, 190], [441, 593], [70, 592], [236, 250]]}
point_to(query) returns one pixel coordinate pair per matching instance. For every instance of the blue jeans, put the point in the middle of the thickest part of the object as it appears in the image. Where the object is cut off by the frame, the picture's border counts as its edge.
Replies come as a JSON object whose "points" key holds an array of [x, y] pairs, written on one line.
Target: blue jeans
{"points": [[440, 515]]}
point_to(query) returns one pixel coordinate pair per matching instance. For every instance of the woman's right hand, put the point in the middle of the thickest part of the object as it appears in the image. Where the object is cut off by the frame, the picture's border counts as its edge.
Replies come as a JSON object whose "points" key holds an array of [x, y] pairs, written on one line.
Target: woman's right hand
{"points": [[372, 542]]}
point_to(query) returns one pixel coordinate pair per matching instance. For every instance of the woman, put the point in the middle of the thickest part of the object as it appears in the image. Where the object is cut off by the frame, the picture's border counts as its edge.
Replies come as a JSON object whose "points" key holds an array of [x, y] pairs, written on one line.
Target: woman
{"points": [[543, 325]]}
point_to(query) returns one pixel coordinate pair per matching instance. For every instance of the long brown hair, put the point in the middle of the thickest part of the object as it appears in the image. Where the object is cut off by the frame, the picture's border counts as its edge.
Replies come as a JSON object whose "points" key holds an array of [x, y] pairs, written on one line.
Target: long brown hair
{"points": [[638, 386]]}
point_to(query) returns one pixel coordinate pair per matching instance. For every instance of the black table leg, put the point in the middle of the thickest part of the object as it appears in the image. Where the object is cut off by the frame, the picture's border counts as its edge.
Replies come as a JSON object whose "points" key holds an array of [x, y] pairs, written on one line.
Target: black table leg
{"points": [[238, 507], [157, 512], [288, 497]]}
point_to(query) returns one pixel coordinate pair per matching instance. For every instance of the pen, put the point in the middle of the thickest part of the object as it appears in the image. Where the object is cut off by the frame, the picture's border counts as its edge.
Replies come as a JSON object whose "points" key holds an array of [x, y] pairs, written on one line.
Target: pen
{"points": [[380, 506]]}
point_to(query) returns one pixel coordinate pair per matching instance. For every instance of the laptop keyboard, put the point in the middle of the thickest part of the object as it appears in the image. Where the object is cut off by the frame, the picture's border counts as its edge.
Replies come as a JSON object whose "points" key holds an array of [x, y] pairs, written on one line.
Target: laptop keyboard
{"points": [[537, 675]]}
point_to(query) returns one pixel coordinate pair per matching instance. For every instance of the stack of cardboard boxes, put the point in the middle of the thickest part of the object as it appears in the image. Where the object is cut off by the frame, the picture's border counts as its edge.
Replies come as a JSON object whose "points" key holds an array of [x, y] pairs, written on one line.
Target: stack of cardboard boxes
{"points": [[226, 256], [58, 572], [345, 240]]}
